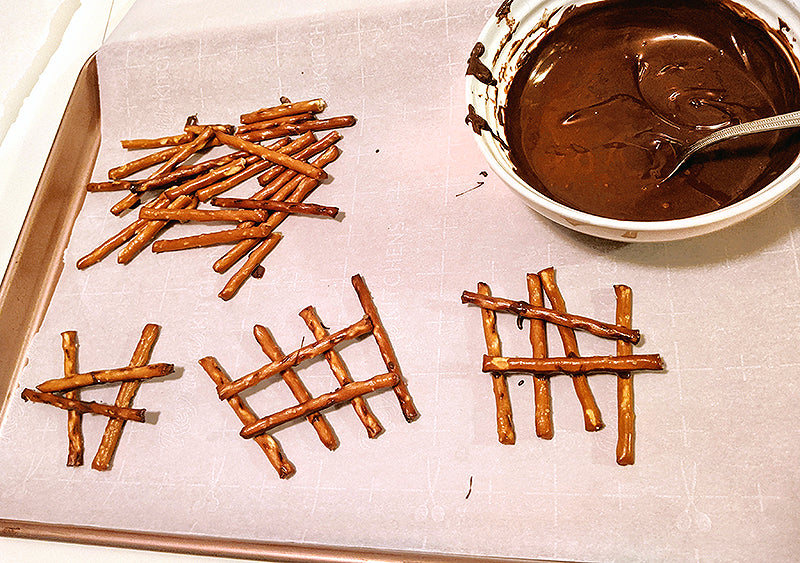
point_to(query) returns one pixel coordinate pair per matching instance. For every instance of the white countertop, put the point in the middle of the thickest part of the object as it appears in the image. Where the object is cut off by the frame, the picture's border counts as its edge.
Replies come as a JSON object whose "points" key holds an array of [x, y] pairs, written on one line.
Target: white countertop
{"points": [[45, 44]]}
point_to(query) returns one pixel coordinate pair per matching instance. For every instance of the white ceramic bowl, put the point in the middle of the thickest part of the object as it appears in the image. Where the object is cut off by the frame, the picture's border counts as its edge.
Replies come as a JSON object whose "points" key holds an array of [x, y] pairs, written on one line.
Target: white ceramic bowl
{"points": [[508, 38]]}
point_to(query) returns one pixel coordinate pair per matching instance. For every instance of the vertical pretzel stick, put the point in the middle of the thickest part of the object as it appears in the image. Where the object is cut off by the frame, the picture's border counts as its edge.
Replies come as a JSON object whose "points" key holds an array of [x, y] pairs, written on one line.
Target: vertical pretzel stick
{"points": [[592, 419], [290, 149], [123, 236], [313, 106], [272, 156], [295, 191], [74, 420], [149, 230], [339, 369], [300, 355], [505, 419], [385, 347], [127, 391], [259, 135], [541, 385], [274, 353], [625, 413], [255, 258], [269, 445]]}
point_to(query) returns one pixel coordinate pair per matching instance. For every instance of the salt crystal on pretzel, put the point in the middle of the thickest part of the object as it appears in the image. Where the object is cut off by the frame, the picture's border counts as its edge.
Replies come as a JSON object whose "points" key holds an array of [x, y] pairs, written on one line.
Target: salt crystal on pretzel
{"points": [[125, 395], [326, 434], [268, 444], [136, 415]]}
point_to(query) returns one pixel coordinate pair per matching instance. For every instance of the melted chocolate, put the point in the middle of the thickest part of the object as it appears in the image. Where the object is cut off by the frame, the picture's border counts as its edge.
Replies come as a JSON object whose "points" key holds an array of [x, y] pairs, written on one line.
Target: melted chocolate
{"points": [[605, 100]]}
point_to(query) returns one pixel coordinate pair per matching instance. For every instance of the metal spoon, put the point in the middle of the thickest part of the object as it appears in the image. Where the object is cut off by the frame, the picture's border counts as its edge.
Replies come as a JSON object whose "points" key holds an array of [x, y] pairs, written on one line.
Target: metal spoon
{"points": [[783, 121]]}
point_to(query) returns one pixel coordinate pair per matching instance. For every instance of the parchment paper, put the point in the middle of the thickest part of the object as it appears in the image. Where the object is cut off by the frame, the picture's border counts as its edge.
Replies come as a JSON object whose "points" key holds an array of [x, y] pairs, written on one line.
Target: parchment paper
{"points": [[716, 472]]}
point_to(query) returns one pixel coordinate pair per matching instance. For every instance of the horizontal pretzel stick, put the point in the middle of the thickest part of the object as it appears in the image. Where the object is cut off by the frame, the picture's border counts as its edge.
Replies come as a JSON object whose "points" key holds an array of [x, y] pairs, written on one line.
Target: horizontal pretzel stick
{"points": [[296, 128], [210, 177], [523, 309], [185, 172], [256, 168], [125, 395], [148, 231], [212, 239], [543, 402], [255, 258], [257, 215], [110, 186], [272, 123], [592, 417], [275, 157], [69, 345], [300, 355], [117, 240], [198, 129], [136, 415], [502, 400], [385, 347], [339, 369], [574, 366], [105, 376], [268, 444], [296, 386], [134, 166], [341, 395], [294, 191], [269, 205], [313, 106], [273, 174], [157, 143], [626, 417]]}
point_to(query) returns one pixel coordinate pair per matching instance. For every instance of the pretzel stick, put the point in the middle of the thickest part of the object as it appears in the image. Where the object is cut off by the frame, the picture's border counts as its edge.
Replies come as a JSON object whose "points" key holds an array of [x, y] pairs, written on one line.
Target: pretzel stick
{"points": [[523, 309], [268, 444], [257, 168], [385, 347], [275, 157], [592, 419], [626, 418], [292, 192], [255, 258], [105, 376], [211, 239], [134, 166], [341, 395], [211, 177], [137, 415], [198, 129], [572, 365], [339, 370], [157, 143], [312, 150], [296, 128], [125, 395], [187, 171], [275, 122], [273, 351], [149, 230], [118, 239], [256, 215], [541, 385], [284, 206], [502, 401], [313, 350], [110, 186], [313, 106], [74, 422]]}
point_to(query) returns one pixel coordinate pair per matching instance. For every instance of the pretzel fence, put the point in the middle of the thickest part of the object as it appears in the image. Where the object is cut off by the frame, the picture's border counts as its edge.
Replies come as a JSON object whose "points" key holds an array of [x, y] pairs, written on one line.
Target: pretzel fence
{"points": [[311, 407], [543, 367]]}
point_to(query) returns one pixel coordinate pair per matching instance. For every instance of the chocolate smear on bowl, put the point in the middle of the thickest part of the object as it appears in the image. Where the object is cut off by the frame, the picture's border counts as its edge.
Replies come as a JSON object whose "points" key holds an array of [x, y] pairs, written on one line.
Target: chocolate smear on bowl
{"points": [[476, 68], [608, 96]]}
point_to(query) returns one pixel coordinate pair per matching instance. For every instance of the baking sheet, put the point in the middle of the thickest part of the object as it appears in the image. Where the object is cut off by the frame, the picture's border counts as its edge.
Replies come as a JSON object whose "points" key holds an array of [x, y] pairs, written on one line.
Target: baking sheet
{"points": [[716, 468]]}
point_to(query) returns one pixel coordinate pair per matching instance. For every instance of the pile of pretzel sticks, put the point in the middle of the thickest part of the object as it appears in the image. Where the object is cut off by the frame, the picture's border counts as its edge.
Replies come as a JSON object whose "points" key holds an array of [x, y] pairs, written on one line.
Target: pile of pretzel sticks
{"points": [[542, 367], [63, 392], [288, 169]]}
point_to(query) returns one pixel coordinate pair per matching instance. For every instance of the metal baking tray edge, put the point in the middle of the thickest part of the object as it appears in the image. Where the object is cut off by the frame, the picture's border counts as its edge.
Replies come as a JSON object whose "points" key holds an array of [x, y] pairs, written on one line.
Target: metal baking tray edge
{"points": [[27, 287]]}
